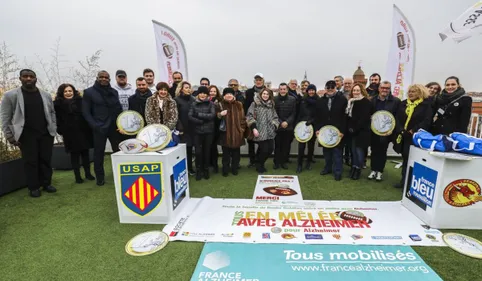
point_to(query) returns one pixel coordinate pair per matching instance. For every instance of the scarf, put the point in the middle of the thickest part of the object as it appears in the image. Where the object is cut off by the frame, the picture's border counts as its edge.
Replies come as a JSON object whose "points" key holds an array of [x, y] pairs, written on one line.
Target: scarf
{"points": [[351, 102], [445, 98], [330, 99], [311, 100], [411, 105]]}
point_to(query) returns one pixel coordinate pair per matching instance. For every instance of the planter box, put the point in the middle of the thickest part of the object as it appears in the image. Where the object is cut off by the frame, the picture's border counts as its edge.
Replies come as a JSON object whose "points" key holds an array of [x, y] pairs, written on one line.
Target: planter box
{"points": [[61, 159], [12, 176]]}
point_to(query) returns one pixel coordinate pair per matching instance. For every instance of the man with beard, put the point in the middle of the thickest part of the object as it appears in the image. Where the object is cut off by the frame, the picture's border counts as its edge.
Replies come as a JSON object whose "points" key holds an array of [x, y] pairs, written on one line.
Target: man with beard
{"points": [[149, 76], [100, 108], [137, 102], [124, 89], [28, 121], [250, 94], [339, 83], [177, 80], [304, 85], [372, 89], [238, 95]]}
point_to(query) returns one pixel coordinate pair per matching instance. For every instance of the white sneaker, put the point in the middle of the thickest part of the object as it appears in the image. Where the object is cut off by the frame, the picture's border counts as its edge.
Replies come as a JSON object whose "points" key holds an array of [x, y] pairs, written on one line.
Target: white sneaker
{"points": [[379, 176], [372, 175]]}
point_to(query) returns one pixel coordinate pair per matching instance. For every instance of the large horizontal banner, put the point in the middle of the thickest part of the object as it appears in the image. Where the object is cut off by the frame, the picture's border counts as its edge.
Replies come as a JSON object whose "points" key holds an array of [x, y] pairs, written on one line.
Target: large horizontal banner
{"points": [[273, 262], [315, 222], [276, 189]]}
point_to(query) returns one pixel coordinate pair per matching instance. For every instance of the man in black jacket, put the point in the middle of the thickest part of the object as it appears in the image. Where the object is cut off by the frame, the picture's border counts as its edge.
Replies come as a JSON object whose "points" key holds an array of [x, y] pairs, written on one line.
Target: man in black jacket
{"points": [[285, 106], [331, 111], [137, 102], [100, 108], [250, 94], [379, 144], [177, 80], [238, 95], [372, 89]]}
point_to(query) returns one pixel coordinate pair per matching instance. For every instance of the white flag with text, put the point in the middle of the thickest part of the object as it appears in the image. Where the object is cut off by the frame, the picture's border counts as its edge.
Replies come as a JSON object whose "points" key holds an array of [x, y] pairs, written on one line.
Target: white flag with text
{"points": [[466, 25]]}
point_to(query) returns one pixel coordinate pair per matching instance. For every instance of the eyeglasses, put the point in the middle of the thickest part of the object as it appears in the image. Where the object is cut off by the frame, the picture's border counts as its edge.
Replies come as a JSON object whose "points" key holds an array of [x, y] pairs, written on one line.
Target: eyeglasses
{"points": [[233, 85], [384, 88]]}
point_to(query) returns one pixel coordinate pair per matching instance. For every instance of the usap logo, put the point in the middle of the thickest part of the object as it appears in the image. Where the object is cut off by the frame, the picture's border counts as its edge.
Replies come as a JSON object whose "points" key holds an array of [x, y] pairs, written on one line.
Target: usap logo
{"points": [[179, 182], [422, 184], [141, 186]]}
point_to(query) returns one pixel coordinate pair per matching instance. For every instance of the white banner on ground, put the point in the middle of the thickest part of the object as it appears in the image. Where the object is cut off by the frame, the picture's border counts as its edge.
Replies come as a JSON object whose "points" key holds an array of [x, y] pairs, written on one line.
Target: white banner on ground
{"points": [[314, 222], [171, 53], [275, 189], [401, 57], [466, 25]]}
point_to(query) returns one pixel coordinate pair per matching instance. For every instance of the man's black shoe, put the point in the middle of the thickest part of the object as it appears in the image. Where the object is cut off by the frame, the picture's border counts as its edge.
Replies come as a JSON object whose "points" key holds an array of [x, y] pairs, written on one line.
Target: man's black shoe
{"points": [[50, 189], [35, 193], [338, 177], [100, 182]]}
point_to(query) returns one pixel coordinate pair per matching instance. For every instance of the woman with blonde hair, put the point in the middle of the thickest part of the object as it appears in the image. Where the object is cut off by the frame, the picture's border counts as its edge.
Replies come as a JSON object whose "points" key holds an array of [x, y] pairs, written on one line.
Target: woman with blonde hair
{"points": [[358, 111], [414, 113], [263, 120]]}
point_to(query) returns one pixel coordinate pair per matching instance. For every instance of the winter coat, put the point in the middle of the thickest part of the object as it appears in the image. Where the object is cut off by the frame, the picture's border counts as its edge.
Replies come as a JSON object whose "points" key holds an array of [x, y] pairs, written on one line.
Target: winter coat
{"points": [[262, 116], [167, 116], [217, 121], [286, 110], [335, 117], [184, 103], [456, 113], [391, 104], [359, 123], [308, 109], [137, 102], [100, 107], [250, 94], [71, 125], [201, 117], [421, 119], [235, 124]]}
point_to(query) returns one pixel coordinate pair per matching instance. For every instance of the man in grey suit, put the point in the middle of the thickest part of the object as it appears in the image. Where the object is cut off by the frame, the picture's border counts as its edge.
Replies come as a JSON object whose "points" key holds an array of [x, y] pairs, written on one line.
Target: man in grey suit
{"points": [[28, 121]]}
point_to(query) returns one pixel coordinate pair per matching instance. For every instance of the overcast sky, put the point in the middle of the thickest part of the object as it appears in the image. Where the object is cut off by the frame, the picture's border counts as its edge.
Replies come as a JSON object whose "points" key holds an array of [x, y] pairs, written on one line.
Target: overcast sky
{"points": [[237, 38]]}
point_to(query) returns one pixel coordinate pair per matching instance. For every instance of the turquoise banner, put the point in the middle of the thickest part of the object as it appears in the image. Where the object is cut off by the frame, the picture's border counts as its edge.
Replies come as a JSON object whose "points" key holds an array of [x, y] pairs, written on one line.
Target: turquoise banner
{"points": [[295, 262]]}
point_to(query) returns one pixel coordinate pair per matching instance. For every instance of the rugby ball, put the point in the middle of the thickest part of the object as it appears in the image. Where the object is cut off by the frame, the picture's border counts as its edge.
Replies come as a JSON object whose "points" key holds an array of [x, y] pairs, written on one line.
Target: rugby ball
{"points": [[133, 146], [353, 216]]}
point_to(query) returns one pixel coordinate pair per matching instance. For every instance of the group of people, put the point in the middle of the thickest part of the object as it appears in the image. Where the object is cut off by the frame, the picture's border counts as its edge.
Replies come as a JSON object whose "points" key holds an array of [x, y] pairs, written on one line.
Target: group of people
{"points": [[207, 118]]}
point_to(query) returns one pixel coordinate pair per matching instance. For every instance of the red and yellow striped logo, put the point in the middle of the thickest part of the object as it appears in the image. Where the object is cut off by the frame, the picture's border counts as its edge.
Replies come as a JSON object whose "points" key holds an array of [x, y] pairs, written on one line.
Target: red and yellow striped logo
{"points": [[141, 193]]}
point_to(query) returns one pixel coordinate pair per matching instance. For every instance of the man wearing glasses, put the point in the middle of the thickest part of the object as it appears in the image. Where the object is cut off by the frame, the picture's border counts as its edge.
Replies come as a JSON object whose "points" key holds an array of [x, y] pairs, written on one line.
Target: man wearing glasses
{"points": [[203, 82], [238, 95]]}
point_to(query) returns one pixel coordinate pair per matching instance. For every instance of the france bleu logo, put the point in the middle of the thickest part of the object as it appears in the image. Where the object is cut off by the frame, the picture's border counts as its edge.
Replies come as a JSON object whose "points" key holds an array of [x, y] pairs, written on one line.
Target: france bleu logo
{"points": [[422, 183], [141, 186]]}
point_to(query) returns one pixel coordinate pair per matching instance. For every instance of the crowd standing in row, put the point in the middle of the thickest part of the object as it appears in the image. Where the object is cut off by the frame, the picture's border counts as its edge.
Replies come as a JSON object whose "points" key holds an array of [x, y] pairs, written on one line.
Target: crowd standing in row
{"points": [[207, 118]]}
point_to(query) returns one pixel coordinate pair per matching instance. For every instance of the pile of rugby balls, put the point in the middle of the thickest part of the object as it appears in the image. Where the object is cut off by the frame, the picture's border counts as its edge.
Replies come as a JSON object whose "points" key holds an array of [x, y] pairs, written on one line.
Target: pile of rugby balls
{"points": [[133, 146]]}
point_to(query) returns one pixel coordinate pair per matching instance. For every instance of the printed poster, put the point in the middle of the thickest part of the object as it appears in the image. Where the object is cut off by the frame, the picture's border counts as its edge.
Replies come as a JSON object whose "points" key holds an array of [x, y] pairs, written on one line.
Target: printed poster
{"points": [[276, 189]]}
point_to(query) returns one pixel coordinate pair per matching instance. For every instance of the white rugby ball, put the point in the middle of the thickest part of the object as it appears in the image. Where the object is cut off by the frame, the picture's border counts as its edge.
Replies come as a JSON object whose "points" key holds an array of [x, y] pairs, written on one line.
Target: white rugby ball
{"points": [[133, 146]]}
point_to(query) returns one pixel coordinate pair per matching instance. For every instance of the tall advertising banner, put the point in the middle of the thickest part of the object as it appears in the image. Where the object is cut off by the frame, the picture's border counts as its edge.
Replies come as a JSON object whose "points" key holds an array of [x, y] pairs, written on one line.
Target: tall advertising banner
{"points": [[171, 53], [401, 58], [466, 25]]}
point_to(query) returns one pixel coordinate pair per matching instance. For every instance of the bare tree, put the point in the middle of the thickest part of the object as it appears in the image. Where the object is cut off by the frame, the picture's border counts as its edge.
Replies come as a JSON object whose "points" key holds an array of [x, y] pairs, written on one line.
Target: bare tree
{"points": [[52, 71], [85, 76], [8, 68]]}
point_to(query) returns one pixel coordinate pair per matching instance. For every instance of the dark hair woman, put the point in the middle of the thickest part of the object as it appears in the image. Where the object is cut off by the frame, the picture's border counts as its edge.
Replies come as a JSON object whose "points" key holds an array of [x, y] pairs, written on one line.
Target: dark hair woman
{"points": [[161, 108], [358, 111], [451, 109], [231, 113], [74, 129], [215, 97], [307, 113], [434, 89], [201, 116], [184, 100], [264, 122], [414, 113]]}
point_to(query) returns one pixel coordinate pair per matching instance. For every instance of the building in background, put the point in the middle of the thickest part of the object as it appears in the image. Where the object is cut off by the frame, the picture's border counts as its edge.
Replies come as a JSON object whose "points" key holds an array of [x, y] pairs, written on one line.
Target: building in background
{"points": [[359, 76]]}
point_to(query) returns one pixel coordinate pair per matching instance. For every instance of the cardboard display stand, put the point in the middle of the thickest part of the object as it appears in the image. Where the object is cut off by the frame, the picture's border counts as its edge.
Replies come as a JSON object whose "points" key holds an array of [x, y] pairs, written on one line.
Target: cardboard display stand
{"points": [[444, 189], [151, 187]]}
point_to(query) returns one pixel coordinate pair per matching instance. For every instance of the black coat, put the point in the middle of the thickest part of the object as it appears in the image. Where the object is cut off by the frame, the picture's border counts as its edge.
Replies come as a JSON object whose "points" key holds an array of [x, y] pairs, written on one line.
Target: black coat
{"points": [[307, 110], [137, 102], [100, 107], [183, 105], [456, 117], [249, 99], [421, 119], [286, 110], [201, 116], [335, 117], [358, 125], [391, 104], [72, 126]]}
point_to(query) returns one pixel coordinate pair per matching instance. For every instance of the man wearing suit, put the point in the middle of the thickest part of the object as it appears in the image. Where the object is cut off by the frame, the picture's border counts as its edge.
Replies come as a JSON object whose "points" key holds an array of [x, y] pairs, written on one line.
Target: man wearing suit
{"points": [[28, 121], [100, 108]]}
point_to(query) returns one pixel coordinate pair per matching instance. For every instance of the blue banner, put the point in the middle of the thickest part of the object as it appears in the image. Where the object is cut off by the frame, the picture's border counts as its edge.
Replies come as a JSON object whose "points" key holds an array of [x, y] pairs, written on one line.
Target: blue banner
{"points": [[295, 262]]}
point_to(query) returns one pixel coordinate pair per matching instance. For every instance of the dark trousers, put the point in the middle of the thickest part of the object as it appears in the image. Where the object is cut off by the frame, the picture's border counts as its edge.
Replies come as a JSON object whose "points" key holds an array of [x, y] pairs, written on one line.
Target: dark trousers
{"points": [[379, 147], [75, 159], [405, 153], [282, 145], [37, 154], [203, 150], [253, 154], [311, 150], [358, 155], [265, 148], [333, 160], [214, 155], [347, 149], [231, 157], [189, 158], [100, 139]]}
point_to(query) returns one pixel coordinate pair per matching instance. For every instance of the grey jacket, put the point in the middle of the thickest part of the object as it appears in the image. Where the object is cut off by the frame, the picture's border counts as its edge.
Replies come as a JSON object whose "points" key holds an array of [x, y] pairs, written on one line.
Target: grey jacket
{"points": [[263, 117], [13, 117]]}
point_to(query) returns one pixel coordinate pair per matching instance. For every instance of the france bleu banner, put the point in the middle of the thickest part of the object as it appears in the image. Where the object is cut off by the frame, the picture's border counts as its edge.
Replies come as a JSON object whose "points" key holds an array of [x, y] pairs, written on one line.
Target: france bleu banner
{"points": [[270, 262]]}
